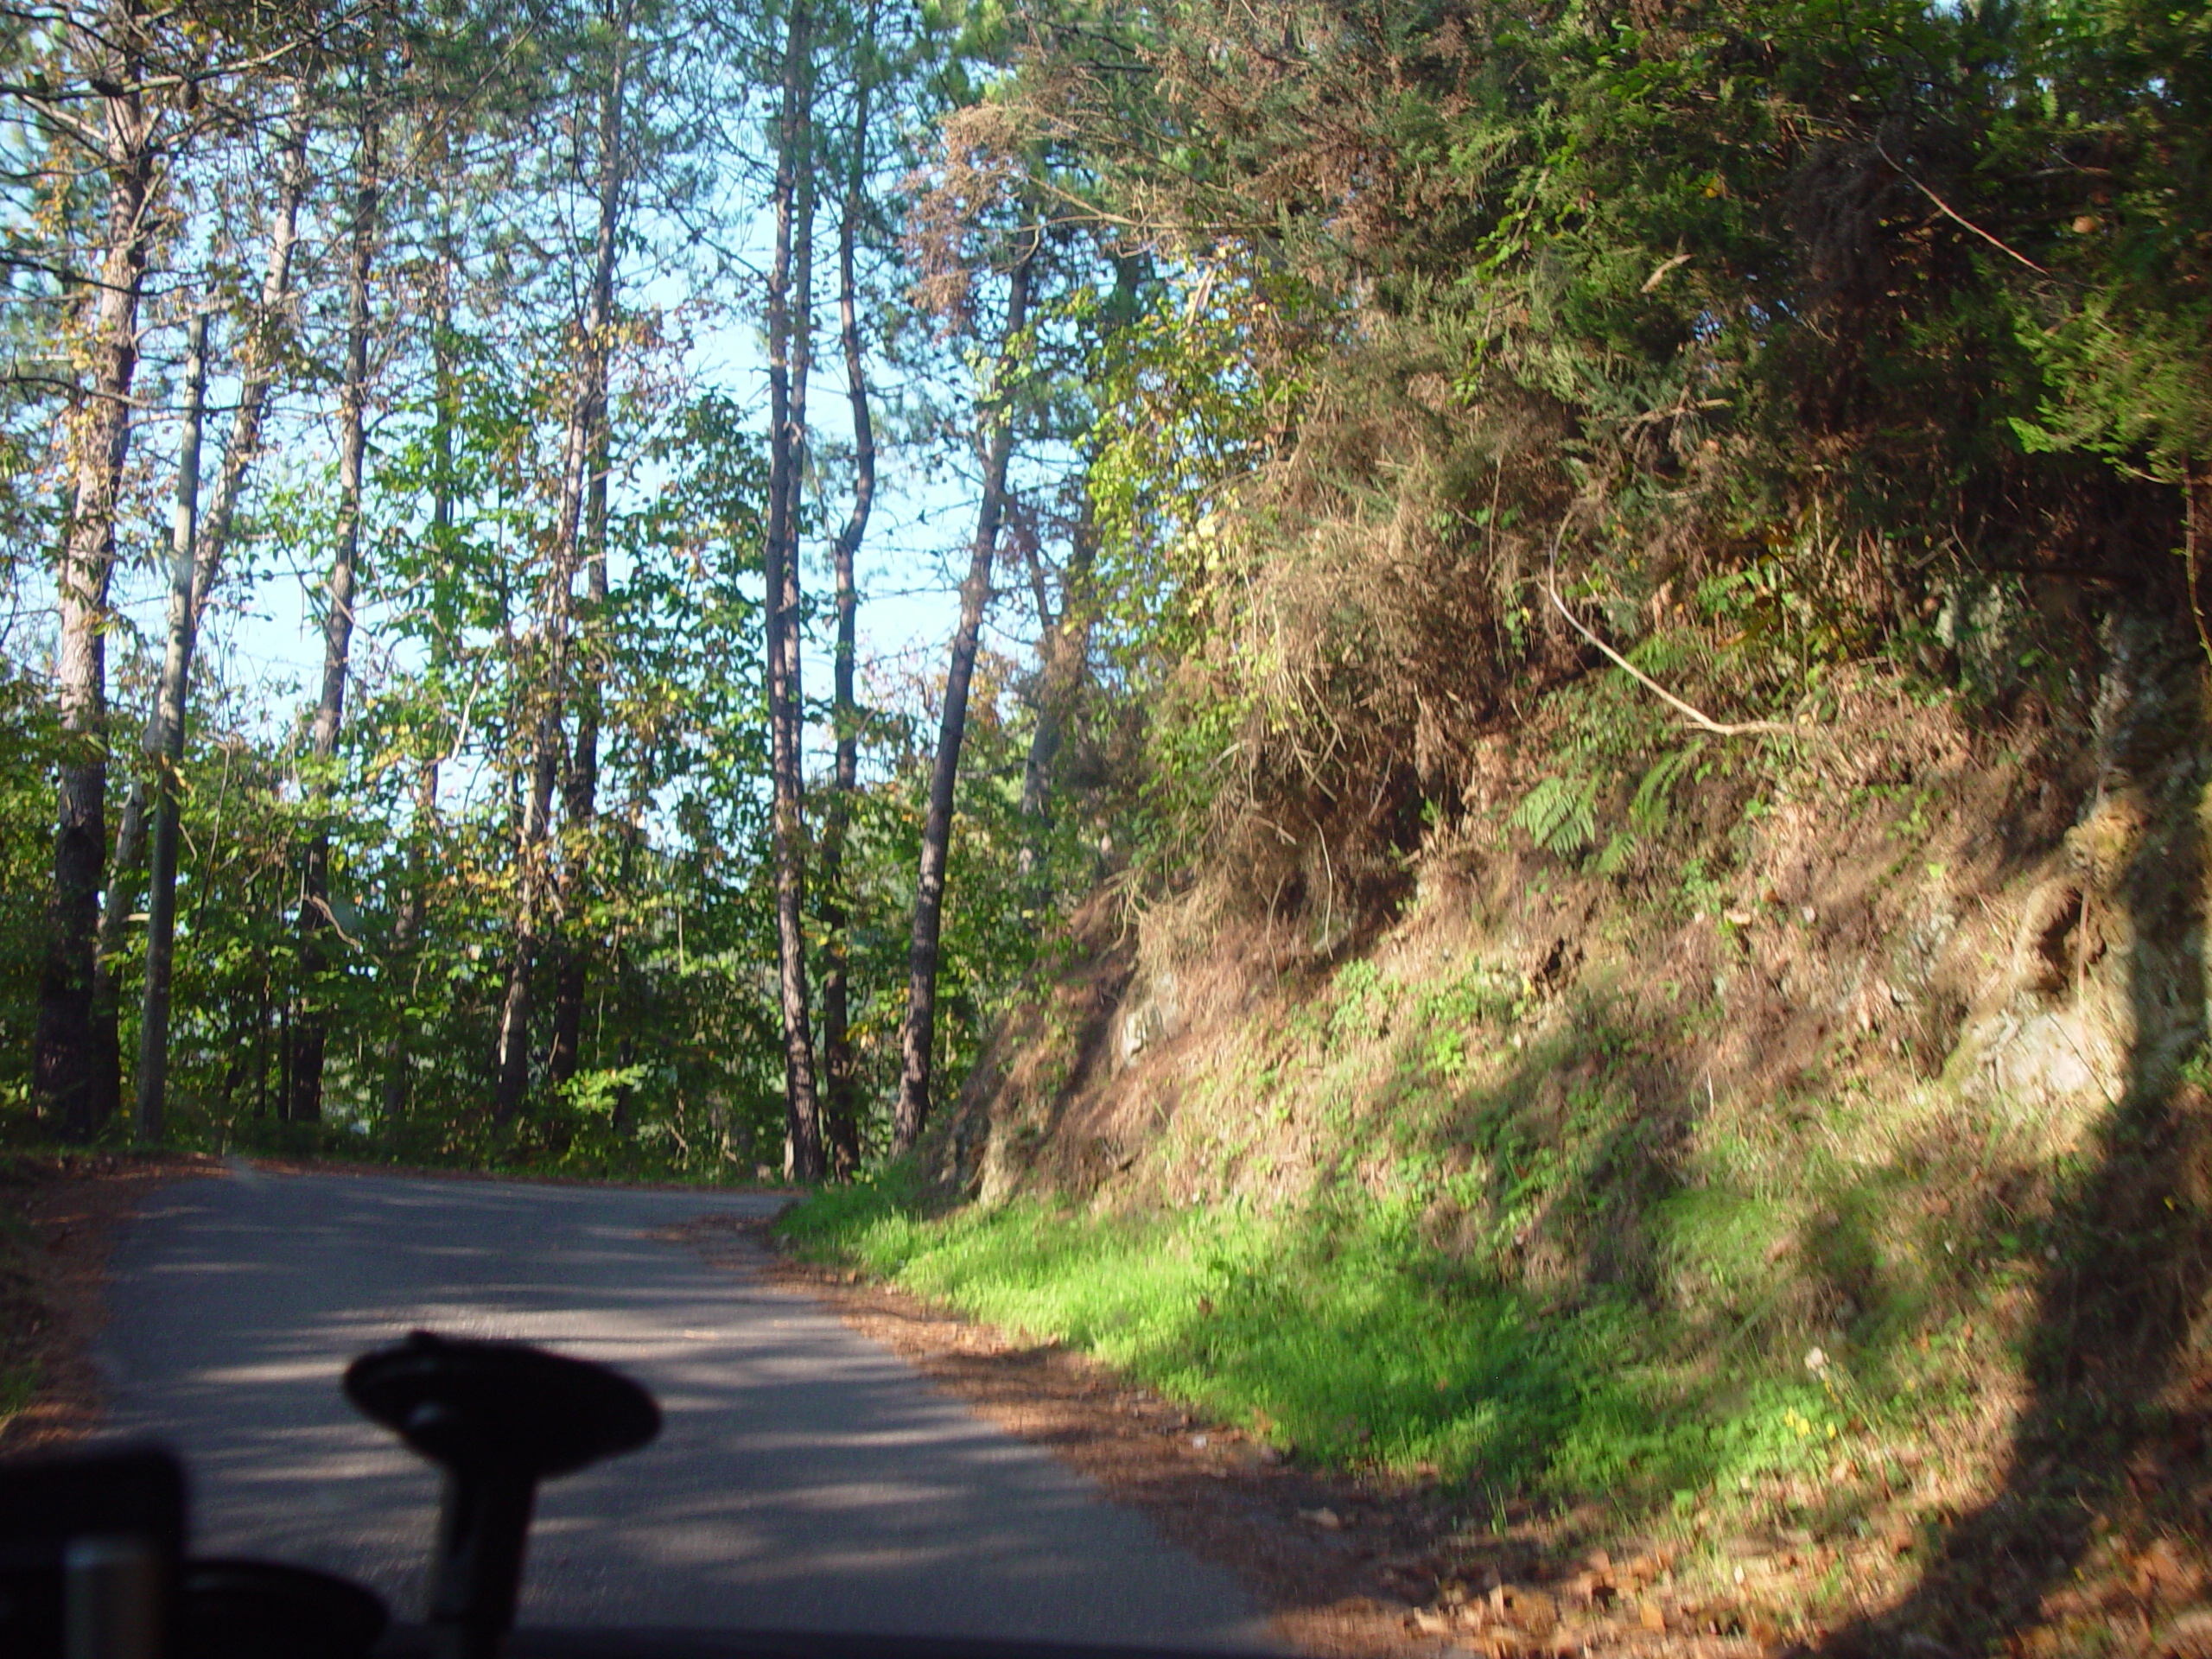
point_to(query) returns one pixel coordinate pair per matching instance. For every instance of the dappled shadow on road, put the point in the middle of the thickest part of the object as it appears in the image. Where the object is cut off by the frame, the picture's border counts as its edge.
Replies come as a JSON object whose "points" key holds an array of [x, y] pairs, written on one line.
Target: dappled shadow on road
{"points": [[1330, 1554], [2109, 1451], [803, 1478]]}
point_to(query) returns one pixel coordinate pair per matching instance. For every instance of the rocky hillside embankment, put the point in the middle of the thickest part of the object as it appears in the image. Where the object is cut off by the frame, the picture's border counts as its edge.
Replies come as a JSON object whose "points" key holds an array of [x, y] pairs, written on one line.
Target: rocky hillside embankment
{"points": [[1850, 1079]]}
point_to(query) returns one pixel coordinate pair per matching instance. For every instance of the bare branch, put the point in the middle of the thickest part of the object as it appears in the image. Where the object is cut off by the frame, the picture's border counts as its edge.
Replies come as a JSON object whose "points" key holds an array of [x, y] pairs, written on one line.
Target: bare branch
{"points": [[1696, 717], [1951, 213]]}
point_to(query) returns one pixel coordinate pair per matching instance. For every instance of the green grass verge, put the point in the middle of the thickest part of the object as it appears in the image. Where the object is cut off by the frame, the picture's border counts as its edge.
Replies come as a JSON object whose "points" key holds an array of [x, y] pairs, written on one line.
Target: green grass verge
{"points": [[1334, 1331]]}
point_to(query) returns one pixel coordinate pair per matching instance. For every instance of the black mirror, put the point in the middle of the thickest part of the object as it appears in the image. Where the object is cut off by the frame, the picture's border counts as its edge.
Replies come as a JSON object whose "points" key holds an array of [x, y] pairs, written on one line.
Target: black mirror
{"points": [[499, 1417]]}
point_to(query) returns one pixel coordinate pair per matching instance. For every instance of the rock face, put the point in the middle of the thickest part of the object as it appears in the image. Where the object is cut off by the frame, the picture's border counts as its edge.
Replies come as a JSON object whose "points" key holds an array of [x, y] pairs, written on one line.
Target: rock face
{"points": [[2103, 992], [1151, 1013], [2046, 1059], [2000, 931]]}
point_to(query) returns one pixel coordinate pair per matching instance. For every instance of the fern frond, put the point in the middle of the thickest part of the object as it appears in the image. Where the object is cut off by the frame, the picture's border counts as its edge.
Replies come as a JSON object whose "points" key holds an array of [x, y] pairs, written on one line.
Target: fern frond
{"points": [[1560, 814], [1647, 810]]}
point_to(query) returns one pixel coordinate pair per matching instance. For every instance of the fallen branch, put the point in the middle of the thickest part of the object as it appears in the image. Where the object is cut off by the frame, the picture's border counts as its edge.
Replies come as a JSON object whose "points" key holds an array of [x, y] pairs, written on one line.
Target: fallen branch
{"points": [[1953, 213], [1696, 717], [2189, 550]]}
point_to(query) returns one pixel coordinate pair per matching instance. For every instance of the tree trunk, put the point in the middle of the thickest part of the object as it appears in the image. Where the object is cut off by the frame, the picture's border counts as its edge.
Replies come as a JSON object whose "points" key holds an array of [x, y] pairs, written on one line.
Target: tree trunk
{"points": [[622, 1112], [842, 1106], [788, 351], [407, 931], [537, 892], [163, 743], [261, 1053], [257, 367], [1063, 641], [511, 1082], [1062, 646], [311, 1029], [918, 1030], [580, 802], [406, 940], [76, 1077], [580, 805], [169, 753]]}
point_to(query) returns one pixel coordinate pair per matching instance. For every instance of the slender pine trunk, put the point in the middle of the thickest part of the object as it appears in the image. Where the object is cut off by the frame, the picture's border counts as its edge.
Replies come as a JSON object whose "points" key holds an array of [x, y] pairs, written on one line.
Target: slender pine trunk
{"points": [[511, 1082], [918, 1030], [629, 834], [841, 1102], [169, 756], [538, 888], [789, 329], [414, 910], [311, 1028], [257, 368], [76, 1064], [407, 940], [579, 797], [580, 804]]}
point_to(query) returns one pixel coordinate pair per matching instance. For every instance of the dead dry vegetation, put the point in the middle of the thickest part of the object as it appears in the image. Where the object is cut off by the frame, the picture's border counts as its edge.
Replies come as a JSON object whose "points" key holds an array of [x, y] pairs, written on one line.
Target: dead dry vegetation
{"points": [[1859, 1073]]}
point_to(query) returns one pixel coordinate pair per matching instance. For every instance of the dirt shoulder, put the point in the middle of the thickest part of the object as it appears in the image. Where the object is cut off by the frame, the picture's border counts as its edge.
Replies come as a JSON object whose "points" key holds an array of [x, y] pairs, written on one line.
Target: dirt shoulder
{"points": [[1347, 1568], [59, 1217]]}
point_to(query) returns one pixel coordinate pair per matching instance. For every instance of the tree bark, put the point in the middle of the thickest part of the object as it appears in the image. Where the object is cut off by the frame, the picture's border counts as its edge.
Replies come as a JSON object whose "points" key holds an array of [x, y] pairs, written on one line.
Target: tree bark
{"points": [[1063, 641], [163, 742], [537, 889], [628, 834], [407, 931], [918, 1030], [1063, 646], [257, 368], [168, 754], [581, 795], [407, 935], [76, 1079], [841, 1102], [513, 1083], [788, 351], [311, 1028]]}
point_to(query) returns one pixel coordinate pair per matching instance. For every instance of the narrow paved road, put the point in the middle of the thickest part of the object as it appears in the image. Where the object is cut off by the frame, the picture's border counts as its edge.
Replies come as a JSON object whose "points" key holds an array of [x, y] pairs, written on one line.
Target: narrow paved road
{"points": [[804, 1480]]}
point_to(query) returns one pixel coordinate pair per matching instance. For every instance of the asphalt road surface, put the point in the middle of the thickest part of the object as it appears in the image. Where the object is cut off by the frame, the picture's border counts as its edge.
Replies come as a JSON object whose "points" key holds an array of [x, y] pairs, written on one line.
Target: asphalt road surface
{"points": [[804, 1479]]}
